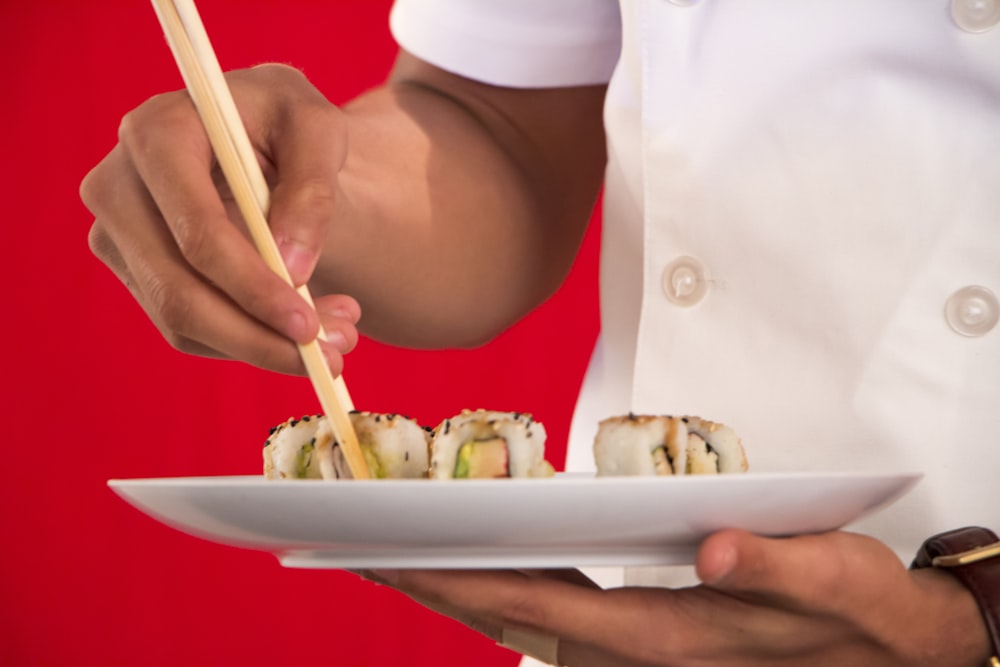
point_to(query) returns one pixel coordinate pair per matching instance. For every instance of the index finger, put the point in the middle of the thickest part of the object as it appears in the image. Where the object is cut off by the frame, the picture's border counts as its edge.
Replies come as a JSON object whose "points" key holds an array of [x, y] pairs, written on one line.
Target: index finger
{"points": [[168, 147], [580, 616]]}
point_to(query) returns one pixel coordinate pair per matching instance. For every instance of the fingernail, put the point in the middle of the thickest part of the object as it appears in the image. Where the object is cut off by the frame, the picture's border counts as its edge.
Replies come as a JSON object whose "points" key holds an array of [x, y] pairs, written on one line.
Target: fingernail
{"points": [[725, 562], [337, 339], [299, 260], [339, 313], [297, 327]]}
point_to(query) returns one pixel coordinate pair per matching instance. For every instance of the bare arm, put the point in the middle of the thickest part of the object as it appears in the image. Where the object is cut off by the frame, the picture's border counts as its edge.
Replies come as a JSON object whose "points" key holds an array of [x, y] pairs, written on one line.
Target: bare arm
{"points": [[465, 203], [447, 208]]}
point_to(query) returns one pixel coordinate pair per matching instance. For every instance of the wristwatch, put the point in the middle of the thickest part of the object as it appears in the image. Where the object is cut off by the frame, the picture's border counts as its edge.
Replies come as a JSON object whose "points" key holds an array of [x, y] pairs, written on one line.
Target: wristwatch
{"points": [[972, 555]]}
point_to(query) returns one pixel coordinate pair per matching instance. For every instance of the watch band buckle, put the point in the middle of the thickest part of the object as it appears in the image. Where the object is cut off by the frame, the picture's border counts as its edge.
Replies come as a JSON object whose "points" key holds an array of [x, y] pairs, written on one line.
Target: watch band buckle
{"points": [[967, 557]]}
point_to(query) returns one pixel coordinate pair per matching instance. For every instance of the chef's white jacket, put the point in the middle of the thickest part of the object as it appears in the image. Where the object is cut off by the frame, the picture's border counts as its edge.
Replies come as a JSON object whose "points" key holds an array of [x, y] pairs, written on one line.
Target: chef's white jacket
{"points": [[801, 225]]}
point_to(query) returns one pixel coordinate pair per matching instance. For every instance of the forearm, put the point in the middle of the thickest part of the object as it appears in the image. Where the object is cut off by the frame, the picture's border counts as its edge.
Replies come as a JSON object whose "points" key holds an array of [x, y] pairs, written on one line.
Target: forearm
{"points": [[460, 206], [447, 208]]}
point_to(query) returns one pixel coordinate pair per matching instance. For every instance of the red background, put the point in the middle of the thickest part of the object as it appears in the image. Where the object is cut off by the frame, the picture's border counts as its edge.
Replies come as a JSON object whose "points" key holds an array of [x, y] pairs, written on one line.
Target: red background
{"points": [[92, 392]]}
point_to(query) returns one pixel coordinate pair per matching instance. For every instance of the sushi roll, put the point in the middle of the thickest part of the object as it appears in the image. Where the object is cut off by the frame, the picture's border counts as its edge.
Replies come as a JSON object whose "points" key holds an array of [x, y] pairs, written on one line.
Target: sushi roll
{"points": [[663, 445], [719, 442], [290, 450], [394, 447], [487, 444]]}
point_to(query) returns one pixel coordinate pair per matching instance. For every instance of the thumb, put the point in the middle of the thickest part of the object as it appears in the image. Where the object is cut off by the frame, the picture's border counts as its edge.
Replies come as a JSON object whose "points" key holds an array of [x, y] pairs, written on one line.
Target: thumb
{"points": [[736, 561], [829, 571], [307, 146], [302, 208], [780, 572]]}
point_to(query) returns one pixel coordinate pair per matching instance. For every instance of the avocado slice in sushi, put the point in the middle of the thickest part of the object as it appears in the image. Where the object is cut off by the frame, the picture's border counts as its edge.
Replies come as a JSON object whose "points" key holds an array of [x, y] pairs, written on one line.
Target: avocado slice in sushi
{"points": [[482, 458]]}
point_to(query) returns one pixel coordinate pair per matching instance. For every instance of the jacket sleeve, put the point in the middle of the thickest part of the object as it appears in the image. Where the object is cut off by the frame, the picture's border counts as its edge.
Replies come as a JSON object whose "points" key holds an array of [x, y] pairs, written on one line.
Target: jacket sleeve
{"points": [[513, 43]]}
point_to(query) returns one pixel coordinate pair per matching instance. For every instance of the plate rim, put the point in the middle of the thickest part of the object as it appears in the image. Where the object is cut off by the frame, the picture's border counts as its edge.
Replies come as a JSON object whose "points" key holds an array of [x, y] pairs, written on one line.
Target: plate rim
{"points": [[158, 498]]}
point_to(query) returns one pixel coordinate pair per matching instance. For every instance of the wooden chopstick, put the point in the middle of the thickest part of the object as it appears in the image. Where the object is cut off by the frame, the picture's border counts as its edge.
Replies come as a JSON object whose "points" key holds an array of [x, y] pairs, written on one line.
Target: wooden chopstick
{"points": [[207, 86]]}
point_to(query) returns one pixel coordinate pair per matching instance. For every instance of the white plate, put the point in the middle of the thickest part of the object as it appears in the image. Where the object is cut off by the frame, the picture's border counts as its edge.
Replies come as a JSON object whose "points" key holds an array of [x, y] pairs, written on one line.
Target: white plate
{"points": [[566, 521]]}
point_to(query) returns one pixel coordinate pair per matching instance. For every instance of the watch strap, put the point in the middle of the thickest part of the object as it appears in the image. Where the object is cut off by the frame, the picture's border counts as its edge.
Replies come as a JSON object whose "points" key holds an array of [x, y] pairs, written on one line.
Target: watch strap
{"points": [[972, 555]]}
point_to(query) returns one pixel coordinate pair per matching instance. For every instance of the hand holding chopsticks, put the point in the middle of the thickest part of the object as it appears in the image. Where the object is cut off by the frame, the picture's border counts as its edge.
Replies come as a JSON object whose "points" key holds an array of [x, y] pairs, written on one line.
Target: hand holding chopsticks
{"points": [[207, 86]]}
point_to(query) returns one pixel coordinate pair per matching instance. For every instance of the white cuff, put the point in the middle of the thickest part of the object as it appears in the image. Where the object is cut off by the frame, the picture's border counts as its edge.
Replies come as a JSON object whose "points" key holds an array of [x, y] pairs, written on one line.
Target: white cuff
{"points": [[534, 645]]}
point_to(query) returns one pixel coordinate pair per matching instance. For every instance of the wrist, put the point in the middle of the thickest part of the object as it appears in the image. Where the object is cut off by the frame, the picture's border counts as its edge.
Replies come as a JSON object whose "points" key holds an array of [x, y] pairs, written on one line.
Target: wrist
{"points": [[965, 563]]}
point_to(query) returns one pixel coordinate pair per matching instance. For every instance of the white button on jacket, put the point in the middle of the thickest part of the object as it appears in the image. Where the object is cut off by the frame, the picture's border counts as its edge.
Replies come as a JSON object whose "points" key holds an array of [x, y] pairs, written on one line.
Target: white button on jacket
{"points": [[972, 311], [976, 15], [685, 281]]}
